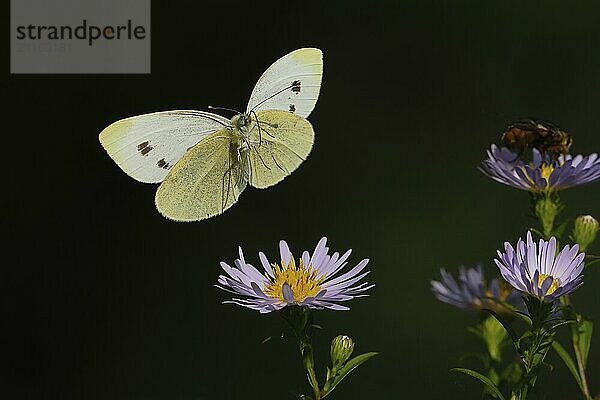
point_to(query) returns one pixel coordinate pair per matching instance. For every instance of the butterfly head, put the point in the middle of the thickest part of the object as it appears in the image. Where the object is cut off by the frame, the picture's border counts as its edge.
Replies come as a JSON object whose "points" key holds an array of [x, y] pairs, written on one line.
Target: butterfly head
{"points": [[241, 121]]}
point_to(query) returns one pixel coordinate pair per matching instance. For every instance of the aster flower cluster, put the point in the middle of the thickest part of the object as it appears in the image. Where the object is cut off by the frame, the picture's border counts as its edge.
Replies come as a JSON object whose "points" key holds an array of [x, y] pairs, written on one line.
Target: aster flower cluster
{"points": [[537, 276]]}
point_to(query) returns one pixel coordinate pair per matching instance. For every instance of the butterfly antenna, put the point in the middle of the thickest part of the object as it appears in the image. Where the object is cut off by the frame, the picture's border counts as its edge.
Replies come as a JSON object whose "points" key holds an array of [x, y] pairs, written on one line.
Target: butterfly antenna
{"points": [[223, 109], [273, 95]]}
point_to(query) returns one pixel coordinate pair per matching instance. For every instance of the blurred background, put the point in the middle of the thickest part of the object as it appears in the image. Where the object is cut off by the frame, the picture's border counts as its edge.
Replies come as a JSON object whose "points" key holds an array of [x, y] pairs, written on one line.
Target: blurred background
{"points": [[108, 300]]}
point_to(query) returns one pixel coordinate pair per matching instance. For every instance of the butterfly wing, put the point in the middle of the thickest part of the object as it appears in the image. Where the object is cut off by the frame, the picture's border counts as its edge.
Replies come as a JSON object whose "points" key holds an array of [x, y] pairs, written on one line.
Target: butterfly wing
{"points": [[285, 141], [292, 83], [207, 180], [147, 146]]}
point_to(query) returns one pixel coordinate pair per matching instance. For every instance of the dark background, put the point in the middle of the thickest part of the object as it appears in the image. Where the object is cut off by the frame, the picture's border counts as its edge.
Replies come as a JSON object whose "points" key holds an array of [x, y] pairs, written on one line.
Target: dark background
{"points": [[108, 300]]}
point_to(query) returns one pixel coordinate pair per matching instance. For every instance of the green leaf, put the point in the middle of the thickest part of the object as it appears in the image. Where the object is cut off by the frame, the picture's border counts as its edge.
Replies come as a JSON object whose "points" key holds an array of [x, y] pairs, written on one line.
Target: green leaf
{"points": [[584, 338], [483, 379], [537, 232], [524, 316], [558, 232], [591, 259], [595, 261], [512, 373], [511, 332], [347, 368], [568, 360], [568, 322]]}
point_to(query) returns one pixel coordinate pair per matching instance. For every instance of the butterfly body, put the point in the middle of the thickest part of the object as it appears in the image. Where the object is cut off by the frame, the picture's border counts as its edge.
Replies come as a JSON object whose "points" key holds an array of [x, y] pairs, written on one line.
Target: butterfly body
{"points": [[204, 161]]}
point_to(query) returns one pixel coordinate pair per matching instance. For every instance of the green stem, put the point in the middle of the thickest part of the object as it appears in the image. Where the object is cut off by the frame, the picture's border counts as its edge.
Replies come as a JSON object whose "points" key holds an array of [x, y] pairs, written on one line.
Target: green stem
{"points": [[537, 344], [546, 208], [566, 300], [307, 359], [301, 321]]}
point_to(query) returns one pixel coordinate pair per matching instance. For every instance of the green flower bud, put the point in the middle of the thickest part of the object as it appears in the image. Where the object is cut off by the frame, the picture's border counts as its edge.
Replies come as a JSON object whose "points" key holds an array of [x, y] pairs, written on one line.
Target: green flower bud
{"points": [[585, 231], [341, 350]]}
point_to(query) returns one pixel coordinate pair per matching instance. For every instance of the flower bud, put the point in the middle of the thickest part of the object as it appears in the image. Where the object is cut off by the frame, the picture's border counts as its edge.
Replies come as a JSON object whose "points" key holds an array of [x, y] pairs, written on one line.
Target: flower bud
{"points": [[585, 231], [341, 350]]}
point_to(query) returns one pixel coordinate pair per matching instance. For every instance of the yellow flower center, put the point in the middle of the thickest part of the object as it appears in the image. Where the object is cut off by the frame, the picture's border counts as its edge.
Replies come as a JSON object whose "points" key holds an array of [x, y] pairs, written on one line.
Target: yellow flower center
{"points": [[303, 281], [546, 171], [552, 287]]}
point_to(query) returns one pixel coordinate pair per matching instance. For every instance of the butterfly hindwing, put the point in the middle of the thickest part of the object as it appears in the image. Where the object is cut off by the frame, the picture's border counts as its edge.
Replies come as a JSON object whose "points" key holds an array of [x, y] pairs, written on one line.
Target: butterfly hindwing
{"points": [[285, 141], [291, 83], [205, 182], [147, 146]]}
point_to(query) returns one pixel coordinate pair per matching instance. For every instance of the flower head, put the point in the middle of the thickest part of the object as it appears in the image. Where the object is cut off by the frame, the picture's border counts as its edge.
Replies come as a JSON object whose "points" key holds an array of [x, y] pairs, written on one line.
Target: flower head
{"points": [[313, 280], [471, 291], [542, 174], [536, 269]]}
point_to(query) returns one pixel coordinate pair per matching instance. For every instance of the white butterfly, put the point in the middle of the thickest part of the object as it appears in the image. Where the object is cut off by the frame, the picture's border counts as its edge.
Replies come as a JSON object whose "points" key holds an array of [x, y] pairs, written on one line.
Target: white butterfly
{"points": [[204, 160]]}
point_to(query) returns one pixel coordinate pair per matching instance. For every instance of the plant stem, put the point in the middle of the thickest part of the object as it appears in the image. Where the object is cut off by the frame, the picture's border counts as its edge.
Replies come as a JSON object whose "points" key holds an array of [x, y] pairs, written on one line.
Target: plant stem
{"points": [[566, 300], [309, 363], [301, 321], [546, 208]]}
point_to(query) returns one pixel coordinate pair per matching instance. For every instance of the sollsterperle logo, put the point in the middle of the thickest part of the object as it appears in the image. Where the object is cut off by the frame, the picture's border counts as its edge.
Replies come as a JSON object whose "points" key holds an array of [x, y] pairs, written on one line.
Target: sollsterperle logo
{"points": [[80, 36]]}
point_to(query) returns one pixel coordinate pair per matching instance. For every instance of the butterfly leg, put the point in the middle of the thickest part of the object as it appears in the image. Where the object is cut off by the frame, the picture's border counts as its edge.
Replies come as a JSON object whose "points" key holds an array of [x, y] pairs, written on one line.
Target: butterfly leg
{"points": [[278, 165], [261, 159], [225, 194]]}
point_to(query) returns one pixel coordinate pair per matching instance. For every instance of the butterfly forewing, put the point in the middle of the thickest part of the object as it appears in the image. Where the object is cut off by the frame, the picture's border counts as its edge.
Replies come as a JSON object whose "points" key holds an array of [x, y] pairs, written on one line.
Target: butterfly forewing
{"points": [[285, 141], [292, 83], [205, 182], [147, 146]]}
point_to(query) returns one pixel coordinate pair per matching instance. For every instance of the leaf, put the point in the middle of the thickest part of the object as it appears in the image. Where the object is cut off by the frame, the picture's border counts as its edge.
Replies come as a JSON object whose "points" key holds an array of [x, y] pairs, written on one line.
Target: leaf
{"points": [[537, 232], [591, 259], [483, 379], [347, 368], [524, 316], [558, 232], [568, 322], [596, 261], [568, 360], [584, 338], [511, 332]]}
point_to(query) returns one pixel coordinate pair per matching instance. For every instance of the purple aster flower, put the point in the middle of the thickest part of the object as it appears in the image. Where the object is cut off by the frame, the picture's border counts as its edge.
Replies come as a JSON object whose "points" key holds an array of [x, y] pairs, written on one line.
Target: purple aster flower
{"points": [[536, 269], [542, 174], [313, 281], [471, 291]]}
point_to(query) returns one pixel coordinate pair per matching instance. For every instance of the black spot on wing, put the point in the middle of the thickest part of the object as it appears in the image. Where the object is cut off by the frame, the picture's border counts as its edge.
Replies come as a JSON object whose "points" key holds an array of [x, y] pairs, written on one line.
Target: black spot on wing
{"points": [[144, 148], [296, 87], [163, 164], [292, 108]]}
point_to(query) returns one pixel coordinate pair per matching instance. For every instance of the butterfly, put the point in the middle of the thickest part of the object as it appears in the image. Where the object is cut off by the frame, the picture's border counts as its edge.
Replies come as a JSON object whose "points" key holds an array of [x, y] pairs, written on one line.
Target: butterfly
{"points": [[204, 161]]}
